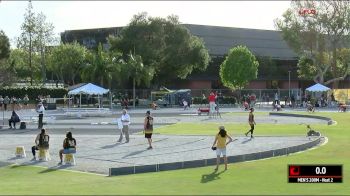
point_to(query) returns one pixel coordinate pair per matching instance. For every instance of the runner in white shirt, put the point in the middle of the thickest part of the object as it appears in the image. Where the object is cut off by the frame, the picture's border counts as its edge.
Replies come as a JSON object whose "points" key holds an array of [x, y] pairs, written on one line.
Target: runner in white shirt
{"points": [[125, 118]]}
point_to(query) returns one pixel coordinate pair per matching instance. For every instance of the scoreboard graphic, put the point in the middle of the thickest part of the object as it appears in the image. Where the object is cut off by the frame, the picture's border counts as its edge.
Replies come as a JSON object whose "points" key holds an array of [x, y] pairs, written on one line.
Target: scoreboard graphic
{"points": [[315, 173]]}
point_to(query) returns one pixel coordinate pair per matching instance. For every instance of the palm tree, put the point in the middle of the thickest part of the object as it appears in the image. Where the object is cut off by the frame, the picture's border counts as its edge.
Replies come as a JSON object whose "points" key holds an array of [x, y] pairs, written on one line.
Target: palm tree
{"points": [[136, 70], [102, 66]]}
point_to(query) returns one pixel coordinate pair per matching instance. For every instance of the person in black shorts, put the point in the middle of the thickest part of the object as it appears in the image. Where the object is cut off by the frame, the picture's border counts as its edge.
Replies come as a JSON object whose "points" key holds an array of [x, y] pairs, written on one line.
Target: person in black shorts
{"points": [[148, 127], [41, 142], [251, 122], [69, 146]]}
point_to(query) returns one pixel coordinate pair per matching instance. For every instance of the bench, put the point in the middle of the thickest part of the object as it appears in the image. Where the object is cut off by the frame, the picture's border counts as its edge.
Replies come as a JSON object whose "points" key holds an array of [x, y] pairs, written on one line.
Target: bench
{"points": [[69, 157], [203, 110], [3, 126], [44, 155], [20, 152]]}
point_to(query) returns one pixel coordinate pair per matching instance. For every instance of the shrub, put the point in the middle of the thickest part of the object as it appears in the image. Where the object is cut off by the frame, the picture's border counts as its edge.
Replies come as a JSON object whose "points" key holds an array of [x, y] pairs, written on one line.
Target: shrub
{"points": [[32, 92]]}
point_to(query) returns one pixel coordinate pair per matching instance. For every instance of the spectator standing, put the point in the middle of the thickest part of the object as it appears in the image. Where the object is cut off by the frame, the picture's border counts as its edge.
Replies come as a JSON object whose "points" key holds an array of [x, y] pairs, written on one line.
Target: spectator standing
{"points": [[25, 101], [204, 99], [332, 99], [19, 103], [184, 102], [252, 99], [6, 102], [276, 98], [125, 118], [13, 103], [298, 101], [285, 101], [212, 104], [293, 101], [40, 109]]}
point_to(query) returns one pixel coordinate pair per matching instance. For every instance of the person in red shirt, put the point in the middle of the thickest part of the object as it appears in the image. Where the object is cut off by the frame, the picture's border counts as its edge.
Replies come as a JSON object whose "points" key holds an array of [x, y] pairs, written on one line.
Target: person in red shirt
{"points": [[212, 104]]}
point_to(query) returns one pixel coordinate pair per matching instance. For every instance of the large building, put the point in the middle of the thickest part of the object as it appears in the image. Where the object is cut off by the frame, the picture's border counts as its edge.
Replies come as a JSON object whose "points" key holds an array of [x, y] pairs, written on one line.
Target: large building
{"points": [[218, 40]]}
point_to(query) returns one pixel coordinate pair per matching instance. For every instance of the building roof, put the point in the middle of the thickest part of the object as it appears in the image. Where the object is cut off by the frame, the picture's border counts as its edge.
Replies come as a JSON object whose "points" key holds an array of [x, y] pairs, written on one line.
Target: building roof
{"points": [[219, 40]]}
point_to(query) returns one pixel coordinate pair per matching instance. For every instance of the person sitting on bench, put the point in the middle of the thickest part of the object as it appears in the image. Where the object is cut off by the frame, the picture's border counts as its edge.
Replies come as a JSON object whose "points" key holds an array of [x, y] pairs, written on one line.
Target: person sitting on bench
{"points": [[69, 146], [342, 107], [41, 142], [14, 119]]}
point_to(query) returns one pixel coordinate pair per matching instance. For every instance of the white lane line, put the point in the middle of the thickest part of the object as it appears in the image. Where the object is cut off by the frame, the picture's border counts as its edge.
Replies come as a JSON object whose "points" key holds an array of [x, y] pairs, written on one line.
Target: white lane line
{"points": [[313, 148], [67, 170]]}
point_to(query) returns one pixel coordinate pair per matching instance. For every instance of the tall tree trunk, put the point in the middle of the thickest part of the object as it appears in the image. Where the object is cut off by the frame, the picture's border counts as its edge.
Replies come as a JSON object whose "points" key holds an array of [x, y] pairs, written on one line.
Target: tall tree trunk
{"points": [[73, 82], [334, 61], [109, 83], [133, 96], [101, 81], [43, 69], [30, 58]]}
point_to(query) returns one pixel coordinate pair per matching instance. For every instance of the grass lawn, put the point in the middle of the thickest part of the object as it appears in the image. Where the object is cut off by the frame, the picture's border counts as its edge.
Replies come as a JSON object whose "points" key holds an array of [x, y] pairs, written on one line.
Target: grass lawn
{"points": [[210, 128], [262, 177]]}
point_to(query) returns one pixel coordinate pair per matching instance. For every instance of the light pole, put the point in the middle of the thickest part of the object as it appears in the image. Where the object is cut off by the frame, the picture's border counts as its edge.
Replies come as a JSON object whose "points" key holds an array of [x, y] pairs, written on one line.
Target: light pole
{"points": [[289, 83]]}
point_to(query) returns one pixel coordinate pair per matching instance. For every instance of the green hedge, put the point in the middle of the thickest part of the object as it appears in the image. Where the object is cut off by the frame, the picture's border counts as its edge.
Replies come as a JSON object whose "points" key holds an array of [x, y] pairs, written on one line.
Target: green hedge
{"points": [[32, 92], [223, 100]]}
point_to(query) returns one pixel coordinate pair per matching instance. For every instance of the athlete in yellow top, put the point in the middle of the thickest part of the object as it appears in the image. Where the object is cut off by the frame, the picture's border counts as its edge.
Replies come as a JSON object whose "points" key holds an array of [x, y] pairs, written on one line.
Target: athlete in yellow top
{"points": [[220, 141]]}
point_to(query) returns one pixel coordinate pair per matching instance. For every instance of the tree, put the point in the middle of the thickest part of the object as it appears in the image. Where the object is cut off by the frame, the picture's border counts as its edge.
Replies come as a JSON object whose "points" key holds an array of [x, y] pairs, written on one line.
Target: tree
{"points": [[318, 38], [36, 35], [45, 37], [102, 66], [4, 46], [67, 61], [267, 67], [239, 67], [4, 55], [19, 62], [26, 37], [136, 70], [164, 44]]}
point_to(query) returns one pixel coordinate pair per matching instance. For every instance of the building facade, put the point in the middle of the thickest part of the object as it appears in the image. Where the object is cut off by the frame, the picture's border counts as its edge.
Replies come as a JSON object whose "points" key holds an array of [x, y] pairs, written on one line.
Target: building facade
{"points": [[219, 40]]}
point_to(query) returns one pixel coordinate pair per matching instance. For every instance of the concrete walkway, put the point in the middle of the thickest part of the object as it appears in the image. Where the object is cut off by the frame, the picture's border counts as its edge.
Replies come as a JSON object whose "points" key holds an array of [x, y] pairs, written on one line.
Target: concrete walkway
{"points": [[98, 150], [98, 153]]}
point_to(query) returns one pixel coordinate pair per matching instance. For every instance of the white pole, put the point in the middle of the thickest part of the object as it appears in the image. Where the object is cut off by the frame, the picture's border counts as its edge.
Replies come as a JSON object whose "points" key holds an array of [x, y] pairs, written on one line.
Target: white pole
{"points": [[133, 93], [111, 99], [80, 101]]}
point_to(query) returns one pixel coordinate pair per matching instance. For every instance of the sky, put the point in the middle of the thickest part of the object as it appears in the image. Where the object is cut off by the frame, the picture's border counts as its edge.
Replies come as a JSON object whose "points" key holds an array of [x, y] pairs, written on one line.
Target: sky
{"points": [[70, 15]]}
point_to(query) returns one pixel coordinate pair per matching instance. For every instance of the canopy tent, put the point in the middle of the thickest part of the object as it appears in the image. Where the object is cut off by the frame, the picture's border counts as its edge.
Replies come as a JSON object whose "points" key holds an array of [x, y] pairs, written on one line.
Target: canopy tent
{"points": [[89, 89], [318, 88]]}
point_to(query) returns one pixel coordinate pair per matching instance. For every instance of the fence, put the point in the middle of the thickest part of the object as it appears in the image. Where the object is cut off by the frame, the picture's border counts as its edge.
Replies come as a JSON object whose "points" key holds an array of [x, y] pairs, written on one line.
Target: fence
{"points": [[262, 95]]}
